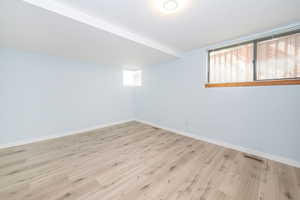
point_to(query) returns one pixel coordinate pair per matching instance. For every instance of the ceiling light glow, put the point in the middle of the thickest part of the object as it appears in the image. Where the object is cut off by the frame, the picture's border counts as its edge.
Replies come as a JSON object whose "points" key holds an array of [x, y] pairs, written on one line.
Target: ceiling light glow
{"points": [[171, 5]]}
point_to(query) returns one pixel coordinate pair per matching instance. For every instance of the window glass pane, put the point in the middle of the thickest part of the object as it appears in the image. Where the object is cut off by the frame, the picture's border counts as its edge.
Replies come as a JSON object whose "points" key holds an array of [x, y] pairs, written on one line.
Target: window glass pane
{"points": [[232, 64], [132, 78], [279, 58]]}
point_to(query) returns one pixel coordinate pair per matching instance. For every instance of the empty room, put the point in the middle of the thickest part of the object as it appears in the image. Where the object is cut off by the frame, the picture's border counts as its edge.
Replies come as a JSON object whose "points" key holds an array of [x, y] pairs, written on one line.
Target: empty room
{"points": [[149, 100]]}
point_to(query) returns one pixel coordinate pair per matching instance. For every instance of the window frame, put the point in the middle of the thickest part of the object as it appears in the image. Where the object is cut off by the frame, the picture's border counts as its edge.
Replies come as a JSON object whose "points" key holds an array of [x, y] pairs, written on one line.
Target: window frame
{"points": [[255, 82]]}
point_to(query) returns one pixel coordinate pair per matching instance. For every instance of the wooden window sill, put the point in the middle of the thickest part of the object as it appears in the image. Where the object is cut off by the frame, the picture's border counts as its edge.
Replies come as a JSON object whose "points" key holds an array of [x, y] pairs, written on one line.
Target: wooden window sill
{"points": [[254, 83]]}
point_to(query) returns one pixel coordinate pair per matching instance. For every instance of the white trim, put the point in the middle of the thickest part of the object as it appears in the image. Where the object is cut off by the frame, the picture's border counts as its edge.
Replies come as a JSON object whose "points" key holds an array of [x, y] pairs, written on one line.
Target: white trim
{"points": [[198, 137], [80, 16], [33, 140], [230, 146]]}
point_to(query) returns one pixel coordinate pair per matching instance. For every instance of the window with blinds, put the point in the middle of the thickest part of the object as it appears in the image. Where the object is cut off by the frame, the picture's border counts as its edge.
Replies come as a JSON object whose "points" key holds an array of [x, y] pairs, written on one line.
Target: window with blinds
{"points": [[232, 64], [273, 58], [279, 58]]}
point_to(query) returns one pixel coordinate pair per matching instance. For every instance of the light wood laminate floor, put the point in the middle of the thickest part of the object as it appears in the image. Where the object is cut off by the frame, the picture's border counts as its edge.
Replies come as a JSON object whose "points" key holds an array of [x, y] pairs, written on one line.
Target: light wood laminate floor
{"points": [[136, 161]]}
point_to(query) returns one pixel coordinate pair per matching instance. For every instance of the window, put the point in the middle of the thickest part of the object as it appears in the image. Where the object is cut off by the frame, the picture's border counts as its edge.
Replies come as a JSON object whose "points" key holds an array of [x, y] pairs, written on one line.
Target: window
{"points": [[275, 60], [232, 64], [279, 58], [132, 78]]}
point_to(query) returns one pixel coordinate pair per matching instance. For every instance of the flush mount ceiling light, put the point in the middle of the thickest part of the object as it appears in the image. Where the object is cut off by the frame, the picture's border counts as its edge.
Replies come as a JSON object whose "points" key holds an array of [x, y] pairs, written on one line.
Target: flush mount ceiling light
{"points": [[170, 5]]}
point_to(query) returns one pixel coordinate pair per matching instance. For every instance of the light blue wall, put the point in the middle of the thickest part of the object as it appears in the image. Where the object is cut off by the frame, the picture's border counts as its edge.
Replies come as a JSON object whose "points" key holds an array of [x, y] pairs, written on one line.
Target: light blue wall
{"points": [[265, 119], [42, 96]]}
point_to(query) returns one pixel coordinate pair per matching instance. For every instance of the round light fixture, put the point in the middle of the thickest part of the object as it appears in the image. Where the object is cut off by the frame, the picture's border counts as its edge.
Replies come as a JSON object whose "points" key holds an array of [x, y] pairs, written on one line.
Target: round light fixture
{"points": [[170, 5]]}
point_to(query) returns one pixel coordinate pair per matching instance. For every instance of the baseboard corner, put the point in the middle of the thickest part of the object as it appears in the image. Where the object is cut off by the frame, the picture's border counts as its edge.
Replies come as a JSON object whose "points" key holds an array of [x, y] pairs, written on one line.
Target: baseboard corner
{"points": [[264, 155], [48, 137]]}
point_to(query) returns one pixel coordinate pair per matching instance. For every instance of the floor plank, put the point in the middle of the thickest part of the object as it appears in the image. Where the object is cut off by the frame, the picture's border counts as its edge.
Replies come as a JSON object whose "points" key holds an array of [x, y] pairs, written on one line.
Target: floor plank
{"points": [[137, 161]]}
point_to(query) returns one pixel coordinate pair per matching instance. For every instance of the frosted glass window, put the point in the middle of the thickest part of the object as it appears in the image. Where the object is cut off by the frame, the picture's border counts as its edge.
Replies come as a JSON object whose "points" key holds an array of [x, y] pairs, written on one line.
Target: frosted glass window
{"points": [[132, 78]]}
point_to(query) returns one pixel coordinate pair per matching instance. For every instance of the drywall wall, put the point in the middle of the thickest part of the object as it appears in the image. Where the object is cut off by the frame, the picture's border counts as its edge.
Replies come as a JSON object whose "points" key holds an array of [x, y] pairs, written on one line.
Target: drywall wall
{"points": [[265, 119], [41, 96], [44, 96]]}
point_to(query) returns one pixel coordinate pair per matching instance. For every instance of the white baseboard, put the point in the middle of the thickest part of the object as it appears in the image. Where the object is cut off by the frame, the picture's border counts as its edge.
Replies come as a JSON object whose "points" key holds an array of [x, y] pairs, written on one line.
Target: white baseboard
{"points": [[220, 143], [32, 140], [276, 158]]}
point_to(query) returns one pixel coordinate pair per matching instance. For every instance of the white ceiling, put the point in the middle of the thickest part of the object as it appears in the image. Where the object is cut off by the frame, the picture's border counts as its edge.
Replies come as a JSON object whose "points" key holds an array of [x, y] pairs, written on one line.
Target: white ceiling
{"points": [[198, 22], [26, 27], [135, 32]]}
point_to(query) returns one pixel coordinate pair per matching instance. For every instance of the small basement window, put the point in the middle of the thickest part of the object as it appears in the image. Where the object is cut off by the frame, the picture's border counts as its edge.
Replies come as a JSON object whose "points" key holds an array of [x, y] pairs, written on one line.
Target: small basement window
{"points": [[132, 78], [267, 61]]}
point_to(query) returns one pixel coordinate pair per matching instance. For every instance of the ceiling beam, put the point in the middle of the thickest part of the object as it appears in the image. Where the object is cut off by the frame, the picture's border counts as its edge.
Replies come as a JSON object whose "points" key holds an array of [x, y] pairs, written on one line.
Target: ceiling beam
{"points": [[75, 14]]}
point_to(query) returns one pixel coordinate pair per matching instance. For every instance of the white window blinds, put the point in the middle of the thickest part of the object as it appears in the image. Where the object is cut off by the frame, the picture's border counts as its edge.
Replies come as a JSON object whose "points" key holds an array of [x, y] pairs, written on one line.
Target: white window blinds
{"points": [[279, 58], [233, 64]]}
